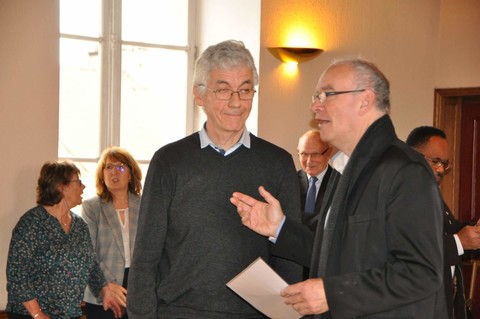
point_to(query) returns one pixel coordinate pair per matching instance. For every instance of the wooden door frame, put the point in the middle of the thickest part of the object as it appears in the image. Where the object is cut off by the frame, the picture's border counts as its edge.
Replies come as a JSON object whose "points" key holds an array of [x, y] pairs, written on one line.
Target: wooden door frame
{"points": [[447, 116]]}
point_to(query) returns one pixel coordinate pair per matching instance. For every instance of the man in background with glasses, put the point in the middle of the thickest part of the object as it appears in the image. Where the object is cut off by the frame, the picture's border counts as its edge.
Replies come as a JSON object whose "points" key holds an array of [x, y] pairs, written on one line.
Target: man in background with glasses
{"points": [[377, 251], [313, 154], [189, 240], [458, 236]]}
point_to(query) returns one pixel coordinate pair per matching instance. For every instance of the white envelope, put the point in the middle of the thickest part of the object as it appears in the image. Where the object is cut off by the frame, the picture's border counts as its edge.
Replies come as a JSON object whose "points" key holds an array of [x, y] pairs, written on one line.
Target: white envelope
{"points": [[260, 286]]}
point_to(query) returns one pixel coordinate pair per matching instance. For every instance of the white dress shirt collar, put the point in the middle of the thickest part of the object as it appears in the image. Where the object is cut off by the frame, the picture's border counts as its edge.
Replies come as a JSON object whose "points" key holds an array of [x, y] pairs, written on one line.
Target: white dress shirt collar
{"points": [[339, 161]]}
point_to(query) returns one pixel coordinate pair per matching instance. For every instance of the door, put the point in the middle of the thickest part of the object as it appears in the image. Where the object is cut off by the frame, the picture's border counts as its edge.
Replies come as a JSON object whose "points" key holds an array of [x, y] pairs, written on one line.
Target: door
{"points": [[457, 112], [470, 160]]}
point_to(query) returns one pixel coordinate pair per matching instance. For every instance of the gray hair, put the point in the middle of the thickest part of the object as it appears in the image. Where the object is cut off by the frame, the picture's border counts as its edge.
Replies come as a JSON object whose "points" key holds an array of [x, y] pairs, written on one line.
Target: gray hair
{"points": [[223, 55], [368, 75]]}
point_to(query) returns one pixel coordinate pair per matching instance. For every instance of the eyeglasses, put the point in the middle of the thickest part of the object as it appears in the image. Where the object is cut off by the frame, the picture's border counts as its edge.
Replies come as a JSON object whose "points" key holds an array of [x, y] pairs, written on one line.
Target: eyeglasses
{"points": [[436, 162], [227, 94], [313, 155], [119, 167], [79, 181], [322, 96]]}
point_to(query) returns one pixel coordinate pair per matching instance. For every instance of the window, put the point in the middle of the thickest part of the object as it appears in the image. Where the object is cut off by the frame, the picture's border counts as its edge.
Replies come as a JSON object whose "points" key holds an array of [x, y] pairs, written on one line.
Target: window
{"points": [[124, 78]]}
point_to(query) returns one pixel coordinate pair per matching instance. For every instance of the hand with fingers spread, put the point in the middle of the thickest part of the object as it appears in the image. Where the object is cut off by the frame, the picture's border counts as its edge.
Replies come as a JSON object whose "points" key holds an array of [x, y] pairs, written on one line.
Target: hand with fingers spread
{"points": [[263, 218], [306, 297]]}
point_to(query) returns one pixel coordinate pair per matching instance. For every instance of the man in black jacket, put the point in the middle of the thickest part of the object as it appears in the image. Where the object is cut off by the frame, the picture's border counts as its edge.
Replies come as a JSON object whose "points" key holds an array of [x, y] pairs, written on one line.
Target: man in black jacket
{"points": [[458, 236], [377, 251]]}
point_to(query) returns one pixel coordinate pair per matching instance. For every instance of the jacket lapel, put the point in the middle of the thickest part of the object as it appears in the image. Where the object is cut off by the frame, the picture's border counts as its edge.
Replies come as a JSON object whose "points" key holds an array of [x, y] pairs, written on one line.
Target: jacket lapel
{"points": [[323, 188], [133, 209], [303, 181], [318, 247], [345, 191], [112, 218]]}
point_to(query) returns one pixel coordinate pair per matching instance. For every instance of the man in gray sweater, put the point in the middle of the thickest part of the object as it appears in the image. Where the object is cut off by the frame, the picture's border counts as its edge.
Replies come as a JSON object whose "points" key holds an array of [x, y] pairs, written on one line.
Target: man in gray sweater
{"points": [[190, 242]]}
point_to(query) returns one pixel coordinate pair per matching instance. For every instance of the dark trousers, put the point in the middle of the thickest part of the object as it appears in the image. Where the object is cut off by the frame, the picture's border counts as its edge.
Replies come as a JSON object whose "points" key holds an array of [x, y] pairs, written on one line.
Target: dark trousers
{"points": [[11, 315], [96, 311]]}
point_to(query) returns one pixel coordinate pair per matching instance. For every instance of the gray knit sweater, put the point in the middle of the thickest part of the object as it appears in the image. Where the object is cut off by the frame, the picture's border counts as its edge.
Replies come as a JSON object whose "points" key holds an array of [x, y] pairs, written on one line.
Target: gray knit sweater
{"points": [[190, 240]]}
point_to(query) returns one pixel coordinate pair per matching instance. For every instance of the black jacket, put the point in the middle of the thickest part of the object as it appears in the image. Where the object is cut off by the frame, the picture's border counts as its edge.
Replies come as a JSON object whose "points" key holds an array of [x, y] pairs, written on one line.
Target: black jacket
{"points": [[381, 252]]}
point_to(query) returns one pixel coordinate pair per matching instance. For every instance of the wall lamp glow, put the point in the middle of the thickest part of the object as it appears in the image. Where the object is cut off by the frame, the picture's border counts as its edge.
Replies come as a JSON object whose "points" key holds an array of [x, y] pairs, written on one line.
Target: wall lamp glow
{"points": [[294, 55]]}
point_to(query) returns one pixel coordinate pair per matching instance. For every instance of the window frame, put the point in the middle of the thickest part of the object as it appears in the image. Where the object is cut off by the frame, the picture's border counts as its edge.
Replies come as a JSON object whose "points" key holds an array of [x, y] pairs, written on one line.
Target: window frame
{"points": [[111, 44]]}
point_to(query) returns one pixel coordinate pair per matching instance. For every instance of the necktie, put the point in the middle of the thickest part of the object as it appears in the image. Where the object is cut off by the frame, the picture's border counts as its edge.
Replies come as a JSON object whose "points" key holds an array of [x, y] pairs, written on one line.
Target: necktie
{"points": [[311, 194]]}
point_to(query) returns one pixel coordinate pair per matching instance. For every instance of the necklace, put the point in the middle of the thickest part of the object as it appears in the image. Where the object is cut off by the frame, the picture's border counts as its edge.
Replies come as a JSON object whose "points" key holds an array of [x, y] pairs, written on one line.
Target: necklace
{"points": [[50, 210], [64, 223]]}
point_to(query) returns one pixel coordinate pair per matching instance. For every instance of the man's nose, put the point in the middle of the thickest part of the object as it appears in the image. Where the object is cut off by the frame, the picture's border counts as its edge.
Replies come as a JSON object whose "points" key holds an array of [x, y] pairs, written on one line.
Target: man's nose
{"points": [[235, 100], [317, 106], [440, 170]]}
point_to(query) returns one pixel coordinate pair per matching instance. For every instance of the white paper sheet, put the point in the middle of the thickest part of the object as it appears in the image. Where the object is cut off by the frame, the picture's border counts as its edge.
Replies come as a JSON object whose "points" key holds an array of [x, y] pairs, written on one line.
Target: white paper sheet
{"points": [[260, 286]]}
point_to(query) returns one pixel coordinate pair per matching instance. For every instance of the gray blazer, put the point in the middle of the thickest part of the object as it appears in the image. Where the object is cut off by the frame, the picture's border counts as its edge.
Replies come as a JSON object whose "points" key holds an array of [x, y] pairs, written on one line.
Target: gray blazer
{"points": [[106, 234]]}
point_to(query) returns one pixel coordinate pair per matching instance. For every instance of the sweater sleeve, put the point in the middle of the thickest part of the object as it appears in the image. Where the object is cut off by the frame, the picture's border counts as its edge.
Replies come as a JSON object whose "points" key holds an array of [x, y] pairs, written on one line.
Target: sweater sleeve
{"points": [[151, 232]]}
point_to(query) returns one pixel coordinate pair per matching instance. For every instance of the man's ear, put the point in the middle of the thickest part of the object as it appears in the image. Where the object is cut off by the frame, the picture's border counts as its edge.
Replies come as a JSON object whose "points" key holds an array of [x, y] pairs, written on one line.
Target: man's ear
{"points": [[368, 101], [198, 96]]}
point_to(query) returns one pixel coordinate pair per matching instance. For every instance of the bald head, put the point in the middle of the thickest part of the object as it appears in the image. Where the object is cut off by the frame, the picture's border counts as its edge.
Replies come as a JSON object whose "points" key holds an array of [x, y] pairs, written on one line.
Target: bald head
{"points": [[313, 153], [351, 95]]}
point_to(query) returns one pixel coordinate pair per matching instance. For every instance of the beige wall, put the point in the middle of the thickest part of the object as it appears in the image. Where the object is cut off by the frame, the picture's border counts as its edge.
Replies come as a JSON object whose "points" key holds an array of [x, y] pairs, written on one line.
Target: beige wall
{"points": [[420, 45], [458, 47], [28, 108]]}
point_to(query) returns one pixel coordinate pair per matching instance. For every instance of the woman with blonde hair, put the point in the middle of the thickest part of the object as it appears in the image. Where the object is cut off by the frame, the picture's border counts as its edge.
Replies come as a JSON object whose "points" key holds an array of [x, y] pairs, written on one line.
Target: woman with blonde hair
{"points": [[112, 220]]}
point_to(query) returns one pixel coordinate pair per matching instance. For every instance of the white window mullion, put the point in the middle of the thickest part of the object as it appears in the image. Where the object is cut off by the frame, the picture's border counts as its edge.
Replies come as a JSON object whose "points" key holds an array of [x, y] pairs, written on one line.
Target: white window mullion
{"points": [[111, 73], [192, 55]]}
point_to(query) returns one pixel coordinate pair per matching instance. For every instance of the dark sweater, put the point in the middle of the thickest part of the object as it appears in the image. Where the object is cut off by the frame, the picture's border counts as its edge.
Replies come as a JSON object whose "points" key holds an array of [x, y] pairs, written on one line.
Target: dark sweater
{"points": [[190, 240]]}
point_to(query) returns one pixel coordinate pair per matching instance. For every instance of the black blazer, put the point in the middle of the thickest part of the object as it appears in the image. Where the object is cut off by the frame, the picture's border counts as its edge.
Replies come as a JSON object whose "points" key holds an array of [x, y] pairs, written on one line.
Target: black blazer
{"points": [[311, 219], [452, 226], [381, 252]]}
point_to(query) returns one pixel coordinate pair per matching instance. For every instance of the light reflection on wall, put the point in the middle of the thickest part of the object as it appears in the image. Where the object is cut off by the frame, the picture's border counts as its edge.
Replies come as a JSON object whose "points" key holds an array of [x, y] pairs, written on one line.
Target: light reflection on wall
{"points": [[289, 70]]}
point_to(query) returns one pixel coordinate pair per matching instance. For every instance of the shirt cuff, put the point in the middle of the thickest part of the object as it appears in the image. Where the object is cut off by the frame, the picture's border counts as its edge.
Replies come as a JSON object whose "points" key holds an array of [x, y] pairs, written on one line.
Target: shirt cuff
{"points": [[277, 232], [459, 245]]}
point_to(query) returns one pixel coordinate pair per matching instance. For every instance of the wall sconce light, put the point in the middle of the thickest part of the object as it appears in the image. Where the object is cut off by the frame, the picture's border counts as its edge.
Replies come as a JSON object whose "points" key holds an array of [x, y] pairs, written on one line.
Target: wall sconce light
{"points": [[294, 55]]}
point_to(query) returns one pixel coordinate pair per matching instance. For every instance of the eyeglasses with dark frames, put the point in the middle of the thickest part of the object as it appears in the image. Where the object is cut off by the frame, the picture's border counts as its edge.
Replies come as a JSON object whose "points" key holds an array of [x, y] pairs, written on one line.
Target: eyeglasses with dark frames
{"points": [[322, 96], [437, 163], [227, 94], [79, 181]]}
